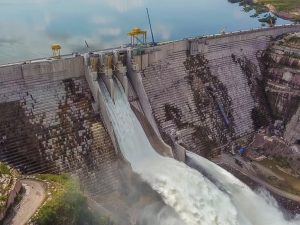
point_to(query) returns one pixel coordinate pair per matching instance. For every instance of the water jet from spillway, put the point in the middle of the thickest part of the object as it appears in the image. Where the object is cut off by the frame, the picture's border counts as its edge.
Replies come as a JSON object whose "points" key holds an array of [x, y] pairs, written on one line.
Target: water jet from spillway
{"points": [[256, 208], [195, 199]]}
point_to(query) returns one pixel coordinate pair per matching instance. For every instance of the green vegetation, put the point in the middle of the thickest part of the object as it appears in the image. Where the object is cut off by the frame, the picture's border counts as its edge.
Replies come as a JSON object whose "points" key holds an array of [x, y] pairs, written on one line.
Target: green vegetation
{"points": [[288, 183], [268, 18], [276, 161], [283, 185], [293, 41], [282, 162], [67, 205], [285, 8], [261, 11], [4, 169], [248, 6], [282, 5]]}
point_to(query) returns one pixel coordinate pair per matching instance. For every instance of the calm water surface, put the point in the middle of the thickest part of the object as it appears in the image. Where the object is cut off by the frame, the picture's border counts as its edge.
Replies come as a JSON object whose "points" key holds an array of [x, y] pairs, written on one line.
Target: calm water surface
{"points": [[29, 27]]}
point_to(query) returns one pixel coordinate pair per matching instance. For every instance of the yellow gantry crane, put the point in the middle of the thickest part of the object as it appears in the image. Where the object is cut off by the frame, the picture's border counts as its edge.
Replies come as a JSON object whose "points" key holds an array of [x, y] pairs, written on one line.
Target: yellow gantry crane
{"points": [[138, 36], [56, 50]]}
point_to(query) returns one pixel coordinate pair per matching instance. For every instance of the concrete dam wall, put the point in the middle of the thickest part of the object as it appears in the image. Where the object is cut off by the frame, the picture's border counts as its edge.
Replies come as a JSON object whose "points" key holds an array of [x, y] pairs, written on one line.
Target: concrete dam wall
{"points": [[47, 124], [205, 92], [198, 93]]}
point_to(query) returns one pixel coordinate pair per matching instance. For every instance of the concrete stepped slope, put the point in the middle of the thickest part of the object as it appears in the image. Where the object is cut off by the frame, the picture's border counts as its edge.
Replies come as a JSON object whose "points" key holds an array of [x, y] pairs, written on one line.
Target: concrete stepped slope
{"points": [[207, 91], [174, 103], [236, 65], [171, 97], [47, 124]]}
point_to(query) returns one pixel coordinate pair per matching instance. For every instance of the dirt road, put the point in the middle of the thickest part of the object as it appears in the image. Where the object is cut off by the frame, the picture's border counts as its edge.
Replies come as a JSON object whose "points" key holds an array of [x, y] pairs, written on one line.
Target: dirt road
{"points": [[33, 198]]}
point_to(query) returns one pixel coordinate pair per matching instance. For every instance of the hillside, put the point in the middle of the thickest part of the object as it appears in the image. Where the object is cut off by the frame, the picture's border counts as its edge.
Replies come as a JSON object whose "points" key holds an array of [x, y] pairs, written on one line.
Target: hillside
{"points": [[288, 9]]}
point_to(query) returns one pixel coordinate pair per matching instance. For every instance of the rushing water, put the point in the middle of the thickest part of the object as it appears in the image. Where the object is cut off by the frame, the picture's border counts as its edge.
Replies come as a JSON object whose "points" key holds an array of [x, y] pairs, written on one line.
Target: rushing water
{"points": [[195, 198], [252, 207], [29, 27]]}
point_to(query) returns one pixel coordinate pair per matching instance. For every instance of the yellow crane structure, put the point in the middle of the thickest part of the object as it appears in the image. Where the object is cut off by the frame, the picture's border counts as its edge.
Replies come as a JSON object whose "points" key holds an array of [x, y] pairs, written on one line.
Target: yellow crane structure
{"points": [[137, 36], [56, 50]]}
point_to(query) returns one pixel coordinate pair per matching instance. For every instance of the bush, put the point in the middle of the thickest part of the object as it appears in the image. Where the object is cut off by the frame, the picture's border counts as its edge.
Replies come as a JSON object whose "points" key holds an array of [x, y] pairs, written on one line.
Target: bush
{"points": [[4, 169], [67, 206]]}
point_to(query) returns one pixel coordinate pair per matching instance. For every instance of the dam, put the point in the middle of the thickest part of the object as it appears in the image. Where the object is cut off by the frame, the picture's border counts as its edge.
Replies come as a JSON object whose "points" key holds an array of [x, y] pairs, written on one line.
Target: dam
{"points": [[198, 94]]}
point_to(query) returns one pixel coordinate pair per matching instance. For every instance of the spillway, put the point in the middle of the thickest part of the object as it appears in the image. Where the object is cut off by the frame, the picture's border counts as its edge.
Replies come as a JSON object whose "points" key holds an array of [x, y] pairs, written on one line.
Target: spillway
{"points": [[195, 199]]}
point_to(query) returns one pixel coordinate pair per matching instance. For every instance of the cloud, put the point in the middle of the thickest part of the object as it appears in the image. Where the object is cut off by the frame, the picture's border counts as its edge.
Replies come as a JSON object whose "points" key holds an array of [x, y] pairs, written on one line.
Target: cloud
{"points": [[101, 20], [124, 5], [109, 31], [14, 2], [163, 32], [9, 41], [238, 14], [58, 35]]}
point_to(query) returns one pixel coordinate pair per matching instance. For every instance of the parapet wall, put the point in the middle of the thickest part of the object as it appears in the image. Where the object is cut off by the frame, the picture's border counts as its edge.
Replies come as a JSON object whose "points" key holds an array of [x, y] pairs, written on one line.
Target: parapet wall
{"points": [[160, 52], [52, 69]]}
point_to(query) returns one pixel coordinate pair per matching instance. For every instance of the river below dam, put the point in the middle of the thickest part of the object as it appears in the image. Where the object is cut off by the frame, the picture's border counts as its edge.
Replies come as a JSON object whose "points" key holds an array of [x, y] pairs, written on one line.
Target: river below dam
{"points": [[28, 28], [216, 198]]}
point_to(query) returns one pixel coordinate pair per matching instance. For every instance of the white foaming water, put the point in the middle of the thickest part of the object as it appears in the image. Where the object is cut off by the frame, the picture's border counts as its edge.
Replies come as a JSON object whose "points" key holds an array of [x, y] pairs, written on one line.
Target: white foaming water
{"points": [[253, 208], [195, 199]]}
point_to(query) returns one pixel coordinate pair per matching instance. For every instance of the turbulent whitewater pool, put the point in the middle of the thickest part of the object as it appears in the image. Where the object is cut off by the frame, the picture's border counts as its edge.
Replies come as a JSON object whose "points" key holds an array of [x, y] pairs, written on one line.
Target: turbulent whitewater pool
{"points": [[196, 199]]}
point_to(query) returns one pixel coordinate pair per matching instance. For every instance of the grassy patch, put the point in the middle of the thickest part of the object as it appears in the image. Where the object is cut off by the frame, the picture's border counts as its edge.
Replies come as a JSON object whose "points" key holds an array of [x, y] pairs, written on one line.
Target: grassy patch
{"points": [[283, 185], [67, 204], [4, 169], [261, 12], [282, 5], [280, 161], [293, 41], [289, 183], [3, 199], [287, 6]]}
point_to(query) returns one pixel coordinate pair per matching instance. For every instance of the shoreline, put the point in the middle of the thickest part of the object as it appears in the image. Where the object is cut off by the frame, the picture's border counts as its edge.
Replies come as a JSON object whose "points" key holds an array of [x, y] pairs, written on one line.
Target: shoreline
{"points": [[282, 14], [293, 15]]}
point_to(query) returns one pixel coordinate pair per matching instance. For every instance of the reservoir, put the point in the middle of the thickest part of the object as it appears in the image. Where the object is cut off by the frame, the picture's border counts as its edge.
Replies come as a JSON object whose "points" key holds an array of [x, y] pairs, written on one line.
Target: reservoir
{"points": [[27, 31]]}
